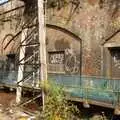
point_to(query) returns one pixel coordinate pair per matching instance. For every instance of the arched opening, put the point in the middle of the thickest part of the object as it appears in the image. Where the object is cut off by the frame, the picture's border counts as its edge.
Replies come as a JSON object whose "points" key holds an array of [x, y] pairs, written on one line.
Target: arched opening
{"points": [[66, 47]]}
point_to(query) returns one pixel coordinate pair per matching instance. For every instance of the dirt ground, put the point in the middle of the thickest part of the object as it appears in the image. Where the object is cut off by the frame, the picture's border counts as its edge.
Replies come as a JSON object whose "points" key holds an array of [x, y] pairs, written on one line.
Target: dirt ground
{"points": [[7, 98], [8, 109]]}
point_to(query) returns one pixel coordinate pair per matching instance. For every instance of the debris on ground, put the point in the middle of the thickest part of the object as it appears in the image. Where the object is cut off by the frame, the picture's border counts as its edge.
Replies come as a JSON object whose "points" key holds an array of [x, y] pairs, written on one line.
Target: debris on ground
{"points": [[8, 110]]}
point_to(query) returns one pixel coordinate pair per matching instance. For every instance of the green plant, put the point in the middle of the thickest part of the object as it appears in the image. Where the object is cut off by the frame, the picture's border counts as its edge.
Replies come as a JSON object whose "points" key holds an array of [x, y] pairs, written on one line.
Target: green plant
{"points": [[56, 106]]}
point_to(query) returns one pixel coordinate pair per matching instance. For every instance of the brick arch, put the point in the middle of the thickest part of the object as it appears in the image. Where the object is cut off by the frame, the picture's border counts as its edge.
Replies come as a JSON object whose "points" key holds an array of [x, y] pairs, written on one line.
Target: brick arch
{"points": [[7, 37], [65, 31]]}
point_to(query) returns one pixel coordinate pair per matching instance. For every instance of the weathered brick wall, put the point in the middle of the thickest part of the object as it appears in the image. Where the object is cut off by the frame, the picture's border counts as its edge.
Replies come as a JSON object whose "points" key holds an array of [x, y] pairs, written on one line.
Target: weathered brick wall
{"points": [[92, 21], [10, 21]]}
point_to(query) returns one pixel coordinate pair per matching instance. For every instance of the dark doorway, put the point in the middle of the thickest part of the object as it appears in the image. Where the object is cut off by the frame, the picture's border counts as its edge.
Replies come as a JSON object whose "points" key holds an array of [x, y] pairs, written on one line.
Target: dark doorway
{"points": [[10, 62], [115, 53]]}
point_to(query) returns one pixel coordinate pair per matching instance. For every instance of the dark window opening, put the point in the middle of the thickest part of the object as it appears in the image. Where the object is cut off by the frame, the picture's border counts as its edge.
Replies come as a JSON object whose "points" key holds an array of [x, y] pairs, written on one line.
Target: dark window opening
{"points": [[115, 54], [10, 62]]}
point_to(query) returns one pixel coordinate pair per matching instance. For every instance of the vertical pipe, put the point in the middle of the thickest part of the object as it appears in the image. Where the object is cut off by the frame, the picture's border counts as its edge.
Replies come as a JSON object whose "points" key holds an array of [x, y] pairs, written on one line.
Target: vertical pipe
{"points": [[102, 59], [42, 41], [81, 62]]}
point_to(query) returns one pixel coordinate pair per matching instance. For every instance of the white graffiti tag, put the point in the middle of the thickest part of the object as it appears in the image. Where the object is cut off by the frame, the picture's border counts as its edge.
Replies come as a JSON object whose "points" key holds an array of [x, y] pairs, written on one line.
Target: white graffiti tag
{"points": [[116, 59]]}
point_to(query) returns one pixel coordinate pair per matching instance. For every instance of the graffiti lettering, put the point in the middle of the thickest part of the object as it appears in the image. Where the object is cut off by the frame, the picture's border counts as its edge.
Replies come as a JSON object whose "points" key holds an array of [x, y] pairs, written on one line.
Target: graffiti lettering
{"points": [[72, 65], [56, 58]]}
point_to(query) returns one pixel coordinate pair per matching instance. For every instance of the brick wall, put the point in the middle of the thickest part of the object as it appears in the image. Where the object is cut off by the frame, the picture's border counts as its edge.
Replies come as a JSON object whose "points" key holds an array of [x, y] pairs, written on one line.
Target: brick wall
{"points": [[91, 20]]}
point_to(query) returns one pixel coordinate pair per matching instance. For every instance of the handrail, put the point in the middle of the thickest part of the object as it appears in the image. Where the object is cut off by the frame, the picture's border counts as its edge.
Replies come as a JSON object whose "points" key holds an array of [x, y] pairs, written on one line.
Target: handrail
{"points": [[102, 90]]}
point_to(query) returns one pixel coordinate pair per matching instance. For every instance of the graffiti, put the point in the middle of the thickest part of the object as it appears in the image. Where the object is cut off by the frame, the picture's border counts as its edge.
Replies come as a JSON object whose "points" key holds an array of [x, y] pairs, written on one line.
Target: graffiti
{"points": [[69, 43], [67, 58], [116, 60], [56, 58], [72, 65]]}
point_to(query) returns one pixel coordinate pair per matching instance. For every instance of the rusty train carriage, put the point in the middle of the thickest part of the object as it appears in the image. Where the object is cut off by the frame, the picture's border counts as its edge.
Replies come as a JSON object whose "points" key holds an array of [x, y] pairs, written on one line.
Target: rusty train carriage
{"points": [[65, 58]]}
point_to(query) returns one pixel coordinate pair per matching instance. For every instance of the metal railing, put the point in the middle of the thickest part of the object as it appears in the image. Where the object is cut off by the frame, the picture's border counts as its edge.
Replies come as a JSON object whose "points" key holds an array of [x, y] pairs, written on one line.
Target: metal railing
{"points": [[9, 78], [85, 87], [89, 87]]}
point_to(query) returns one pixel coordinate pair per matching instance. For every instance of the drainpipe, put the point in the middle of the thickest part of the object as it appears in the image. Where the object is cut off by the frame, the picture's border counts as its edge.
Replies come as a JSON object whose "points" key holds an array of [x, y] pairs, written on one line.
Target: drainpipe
{"points": [[42, 48]]}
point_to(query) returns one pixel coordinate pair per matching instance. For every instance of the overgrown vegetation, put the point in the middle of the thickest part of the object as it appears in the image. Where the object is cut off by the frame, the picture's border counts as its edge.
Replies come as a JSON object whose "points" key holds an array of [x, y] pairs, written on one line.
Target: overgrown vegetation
{"points": [[56, 107]]}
